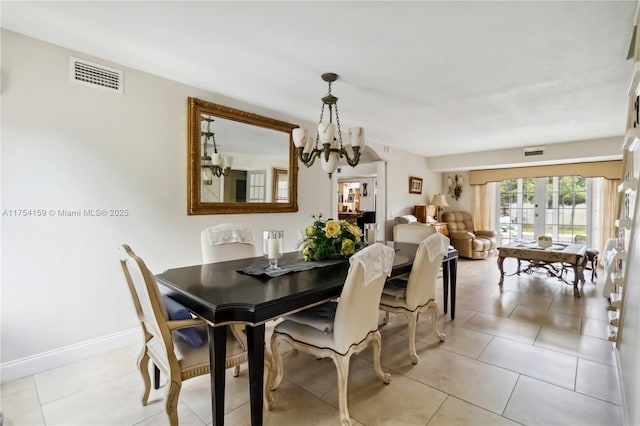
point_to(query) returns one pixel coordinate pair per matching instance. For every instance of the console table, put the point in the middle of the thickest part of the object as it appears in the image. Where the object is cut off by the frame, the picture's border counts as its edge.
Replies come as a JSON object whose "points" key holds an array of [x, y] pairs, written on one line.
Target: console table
{"points": [[550, 259]]}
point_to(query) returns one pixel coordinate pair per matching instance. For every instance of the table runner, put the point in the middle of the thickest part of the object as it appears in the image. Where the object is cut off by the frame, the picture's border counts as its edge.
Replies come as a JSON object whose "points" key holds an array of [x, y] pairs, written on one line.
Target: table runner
{"points": [[286, 268]]}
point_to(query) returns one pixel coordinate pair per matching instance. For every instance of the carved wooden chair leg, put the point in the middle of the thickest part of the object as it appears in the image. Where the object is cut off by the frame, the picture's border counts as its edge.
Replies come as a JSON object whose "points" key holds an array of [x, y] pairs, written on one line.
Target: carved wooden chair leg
{"points": [[171, 402], [433, 307], [412, 320], [268, 378], [342, 366], [278, 366], [377, 349], [143, 368]]}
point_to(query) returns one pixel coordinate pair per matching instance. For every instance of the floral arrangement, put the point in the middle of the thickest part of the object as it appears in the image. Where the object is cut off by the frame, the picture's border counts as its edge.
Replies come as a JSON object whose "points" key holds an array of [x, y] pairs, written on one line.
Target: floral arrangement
{"points": [[330, 239]]}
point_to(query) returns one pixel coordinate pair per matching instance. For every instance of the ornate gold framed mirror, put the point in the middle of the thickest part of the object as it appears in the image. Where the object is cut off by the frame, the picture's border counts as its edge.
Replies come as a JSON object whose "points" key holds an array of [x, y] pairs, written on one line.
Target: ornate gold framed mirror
{"points": [[235, 161]]}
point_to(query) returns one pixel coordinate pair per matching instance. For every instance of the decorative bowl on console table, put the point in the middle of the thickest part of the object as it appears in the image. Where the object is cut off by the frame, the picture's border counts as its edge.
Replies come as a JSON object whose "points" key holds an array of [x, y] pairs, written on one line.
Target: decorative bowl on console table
{"points": [[545, 241]]}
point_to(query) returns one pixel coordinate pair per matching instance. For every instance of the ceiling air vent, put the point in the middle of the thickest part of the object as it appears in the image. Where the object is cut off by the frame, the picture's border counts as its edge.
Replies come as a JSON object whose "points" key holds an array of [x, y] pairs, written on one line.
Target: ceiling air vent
{"points": [[95, 75], [528, 152]]}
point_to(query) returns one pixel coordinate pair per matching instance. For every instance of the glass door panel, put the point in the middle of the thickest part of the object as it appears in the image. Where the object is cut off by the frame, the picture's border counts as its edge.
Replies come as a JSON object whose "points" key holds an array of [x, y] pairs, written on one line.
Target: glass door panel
{"points": [[554, 206]]}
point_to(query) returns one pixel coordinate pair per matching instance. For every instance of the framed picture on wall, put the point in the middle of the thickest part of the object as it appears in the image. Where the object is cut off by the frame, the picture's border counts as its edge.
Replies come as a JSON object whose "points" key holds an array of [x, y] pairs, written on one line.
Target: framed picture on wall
{"points": [[415, 185]]}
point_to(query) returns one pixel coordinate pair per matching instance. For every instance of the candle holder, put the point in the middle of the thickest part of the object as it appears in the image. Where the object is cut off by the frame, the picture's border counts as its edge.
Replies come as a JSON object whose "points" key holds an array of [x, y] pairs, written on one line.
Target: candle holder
{"points": [[272, 247], [370, 233]]}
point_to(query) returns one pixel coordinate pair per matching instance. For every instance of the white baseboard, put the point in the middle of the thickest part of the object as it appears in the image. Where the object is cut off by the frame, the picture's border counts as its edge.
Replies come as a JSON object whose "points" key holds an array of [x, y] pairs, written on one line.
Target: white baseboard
{"points": [[23, 367]]}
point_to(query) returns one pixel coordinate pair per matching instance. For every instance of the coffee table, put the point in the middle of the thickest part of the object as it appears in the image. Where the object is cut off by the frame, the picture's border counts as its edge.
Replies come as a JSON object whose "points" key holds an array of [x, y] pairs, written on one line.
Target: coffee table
{"points": [[553, 260]]}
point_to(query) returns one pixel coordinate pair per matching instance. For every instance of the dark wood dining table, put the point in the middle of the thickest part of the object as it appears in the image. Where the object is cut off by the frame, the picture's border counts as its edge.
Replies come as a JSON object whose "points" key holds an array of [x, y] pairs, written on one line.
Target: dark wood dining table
{"points": [[222, 295]]}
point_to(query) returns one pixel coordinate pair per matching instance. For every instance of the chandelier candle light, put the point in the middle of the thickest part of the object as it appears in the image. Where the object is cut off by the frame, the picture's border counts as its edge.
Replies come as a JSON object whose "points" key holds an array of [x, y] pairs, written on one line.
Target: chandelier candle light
{"points": [[332, 148], [214, 164]]}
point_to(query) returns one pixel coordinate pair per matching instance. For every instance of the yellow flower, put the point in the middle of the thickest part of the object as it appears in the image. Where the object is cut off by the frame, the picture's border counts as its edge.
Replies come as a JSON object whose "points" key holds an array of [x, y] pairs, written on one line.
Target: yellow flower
{"points": [[332, 229], [355, 231], [348, 247], [306, 253], [309, 231]]}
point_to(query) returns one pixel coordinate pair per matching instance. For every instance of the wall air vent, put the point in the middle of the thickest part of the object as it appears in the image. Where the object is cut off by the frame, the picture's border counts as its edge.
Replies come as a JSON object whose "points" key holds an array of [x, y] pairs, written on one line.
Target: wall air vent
{"points": [[95, 75], [528, 152]]}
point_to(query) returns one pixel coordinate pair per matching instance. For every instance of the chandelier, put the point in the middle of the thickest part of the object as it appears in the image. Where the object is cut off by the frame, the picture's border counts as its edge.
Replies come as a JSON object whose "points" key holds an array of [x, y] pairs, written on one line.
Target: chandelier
{"points": [[455, 186], [332, 148], [214, 164]]}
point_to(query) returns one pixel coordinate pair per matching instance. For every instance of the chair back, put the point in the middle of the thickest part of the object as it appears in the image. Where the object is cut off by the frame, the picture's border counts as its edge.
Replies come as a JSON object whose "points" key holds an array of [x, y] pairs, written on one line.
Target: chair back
{"points": [[146, 298], [411, 232], [458, 221], [421, 286], [226, 241], [357, 311], [580, 239]]}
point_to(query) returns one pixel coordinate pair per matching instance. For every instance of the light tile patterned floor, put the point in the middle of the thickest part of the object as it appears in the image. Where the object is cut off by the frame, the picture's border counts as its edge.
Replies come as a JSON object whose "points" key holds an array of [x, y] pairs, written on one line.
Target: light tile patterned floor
{"points": [[528, 354]]}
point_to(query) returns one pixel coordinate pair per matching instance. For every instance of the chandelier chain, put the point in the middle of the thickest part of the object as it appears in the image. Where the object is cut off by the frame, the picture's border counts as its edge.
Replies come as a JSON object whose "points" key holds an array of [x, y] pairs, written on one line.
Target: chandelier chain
{"points": [[339, 130]]}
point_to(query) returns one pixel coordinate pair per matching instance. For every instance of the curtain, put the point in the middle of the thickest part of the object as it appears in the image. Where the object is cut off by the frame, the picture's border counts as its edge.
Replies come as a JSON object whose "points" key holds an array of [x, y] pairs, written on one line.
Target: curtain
{"points": [[610, 208], [484, 206]]}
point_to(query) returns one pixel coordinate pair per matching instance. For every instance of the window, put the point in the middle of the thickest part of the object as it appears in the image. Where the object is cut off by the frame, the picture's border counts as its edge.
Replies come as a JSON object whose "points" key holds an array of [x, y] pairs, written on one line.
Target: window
{"points": [[280, 185], [257, 185], [554, 206]]}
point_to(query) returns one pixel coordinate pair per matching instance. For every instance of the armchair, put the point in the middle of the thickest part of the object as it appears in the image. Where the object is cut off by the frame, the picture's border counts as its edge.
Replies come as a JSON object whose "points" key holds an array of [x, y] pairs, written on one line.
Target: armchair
{"points": [[414, 232], [470, 243], [168, 352]]}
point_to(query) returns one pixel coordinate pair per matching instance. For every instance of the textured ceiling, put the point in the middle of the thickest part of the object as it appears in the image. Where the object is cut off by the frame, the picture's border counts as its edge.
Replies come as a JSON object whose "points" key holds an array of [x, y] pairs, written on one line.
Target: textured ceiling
{"points": [[434, 78]]}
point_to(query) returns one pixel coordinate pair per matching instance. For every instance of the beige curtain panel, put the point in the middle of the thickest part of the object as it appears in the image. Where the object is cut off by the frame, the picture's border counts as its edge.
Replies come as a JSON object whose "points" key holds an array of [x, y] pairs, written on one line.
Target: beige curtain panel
{"points": [[484, 206]]}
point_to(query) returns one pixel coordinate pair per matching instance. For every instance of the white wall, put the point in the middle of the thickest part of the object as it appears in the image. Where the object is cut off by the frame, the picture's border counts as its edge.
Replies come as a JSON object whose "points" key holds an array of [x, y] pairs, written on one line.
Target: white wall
{"points": [[400, 166], [65, 146]]}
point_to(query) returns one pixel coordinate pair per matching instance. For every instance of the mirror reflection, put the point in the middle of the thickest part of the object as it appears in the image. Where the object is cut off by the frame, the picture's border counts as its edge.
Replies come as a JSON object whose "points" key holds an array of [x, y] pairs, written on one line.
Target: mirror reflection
{"points": [[243, 164], [239, 162]]}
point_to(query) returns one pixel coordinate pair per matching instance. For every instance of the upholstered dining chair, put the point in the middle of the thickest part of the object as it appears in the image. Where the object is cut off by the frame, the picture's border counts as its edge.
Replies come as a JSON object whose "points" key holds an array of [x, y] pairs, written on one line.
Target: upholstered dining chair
{"points": [[412, 232], [169, 352], [226, 241], [470, 242], [341, 329], [417, 294]]}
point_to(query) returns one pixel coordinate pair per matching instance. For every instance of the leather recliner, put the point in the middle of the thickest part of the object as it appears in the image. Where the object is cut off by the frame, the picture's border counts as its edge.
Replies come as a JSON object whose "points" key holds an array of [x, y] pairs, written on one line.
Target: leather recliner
{"points": [[470, 243]]}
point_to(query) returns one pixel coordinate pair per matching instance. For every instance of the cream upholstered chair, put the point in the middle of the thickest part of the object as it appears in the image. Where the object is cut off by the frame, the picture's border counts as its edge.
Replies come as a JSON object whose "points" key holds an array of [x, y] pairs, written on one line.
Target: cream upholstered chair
{"points": [[341, 329], [412, 232], [417, 294], [226, 241], [177, 359], [230, 241], [469, 242]]}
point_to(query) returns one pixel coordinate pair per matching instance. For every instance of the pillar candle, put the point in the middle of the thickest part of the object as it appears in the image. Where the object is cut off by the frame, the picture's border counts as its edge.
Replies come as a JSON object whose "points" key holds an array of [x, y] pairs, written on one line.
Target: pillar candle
{"points": [[273, 248]]}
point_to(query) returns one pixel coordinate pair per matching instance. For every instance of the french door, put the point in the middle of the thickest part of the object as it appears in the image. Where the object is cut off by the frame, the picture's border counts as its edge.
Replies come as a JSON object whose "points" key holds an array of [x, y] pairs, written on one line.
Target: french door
{"points": [[558, 206]]}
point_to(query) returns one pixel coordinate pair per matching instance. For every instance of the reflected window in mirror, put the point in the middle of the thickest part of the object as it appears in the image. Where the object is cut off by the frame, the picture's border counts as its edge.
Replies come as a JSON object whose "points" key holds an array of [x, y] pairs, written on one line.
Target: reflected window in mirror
{"points": [[233, 155], [280, 185]]}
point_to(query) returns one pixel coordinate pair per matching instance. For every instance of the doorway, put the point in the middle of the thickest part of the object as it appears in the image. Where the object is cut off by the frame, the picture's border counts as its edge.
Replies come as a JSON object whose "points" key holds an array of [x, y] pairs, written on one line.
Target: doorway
{"points": [[372, 171]]}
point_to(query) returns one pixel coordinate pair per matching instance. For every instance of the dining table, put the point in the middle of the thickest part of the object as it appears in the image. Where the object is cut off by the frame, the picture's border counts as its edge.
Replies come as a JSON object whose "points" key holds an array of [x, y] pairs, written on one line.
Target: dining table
{"points": [[223, 294]]}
